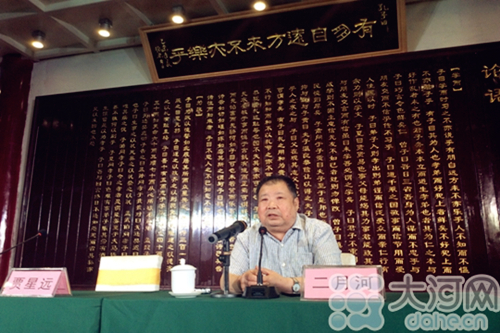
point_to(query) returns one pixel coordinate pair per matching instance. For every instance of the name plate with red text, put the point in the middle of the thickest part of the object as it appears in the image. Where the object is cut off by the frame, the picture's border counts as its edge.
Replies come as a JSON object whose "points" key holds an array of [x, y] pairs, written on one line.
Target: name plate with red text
{"points": [[355, 282], [36, 282]]}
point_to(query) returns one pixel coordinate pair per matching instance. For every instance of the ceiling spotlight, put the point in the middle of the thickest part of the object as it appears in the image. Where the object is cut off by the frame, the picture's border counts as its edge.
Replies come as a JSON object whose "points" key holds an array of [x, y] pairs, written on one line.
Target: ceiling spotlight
{"points": [[178, 16], [104, 27], [259, 6], [38, 38]]}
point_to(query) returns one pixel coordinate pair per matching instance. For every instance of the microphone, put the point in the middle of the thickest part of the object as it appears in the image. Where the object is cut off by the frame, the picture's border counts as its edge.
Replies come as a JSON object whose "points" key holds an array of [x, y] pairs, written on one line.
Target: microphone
{"points": [[262, 232], [260, 290], [41, 233], [228, 232]]}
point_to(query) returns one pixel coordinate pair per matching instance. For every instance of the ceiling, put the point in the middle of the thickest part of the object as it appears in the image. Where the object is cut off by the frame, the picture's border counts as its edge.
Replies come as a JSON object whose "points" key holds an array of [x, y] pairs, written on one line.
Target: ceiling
{"points": [[70, 26]]}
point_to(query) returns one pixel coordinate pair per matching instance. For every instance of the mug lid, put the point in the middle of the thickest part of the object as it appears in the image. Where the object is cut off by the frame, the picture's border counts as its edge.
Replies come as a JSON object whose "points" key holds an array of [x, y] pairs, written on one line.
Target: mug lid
{"points": [[183, 266]]}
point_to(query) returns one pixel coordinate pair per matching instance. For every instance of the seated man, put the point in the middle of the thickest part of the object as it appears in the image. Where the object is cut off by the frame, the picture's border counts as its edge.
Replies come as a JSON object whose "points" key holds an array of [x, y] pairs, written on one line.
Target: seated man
{"points": [[292, 240]]}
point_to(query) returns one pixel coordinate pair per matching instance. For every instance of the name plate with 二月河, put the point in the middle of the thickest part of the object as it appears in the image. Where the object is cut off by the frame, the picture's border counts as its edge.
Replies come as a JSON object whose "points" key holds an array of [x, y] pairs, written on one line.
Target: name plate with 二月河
{"points": [[354, 282], [36, 282]]}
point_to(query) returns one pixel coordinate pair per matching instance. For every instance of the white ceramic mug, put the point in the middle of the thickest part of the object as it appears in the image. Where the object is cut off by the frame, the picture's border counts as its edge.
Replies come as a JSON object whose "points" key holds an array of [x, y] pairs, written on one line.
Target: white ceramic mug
{"points": [[183, 278]]}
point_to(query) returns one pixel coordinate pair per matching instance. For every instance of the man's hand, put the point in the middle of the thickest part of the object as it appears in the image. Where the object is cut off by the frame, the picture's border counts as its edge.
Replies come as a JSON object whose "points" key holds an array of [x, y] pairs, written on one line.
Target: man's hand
{"points": [[237, 284], [249, 278], [271, 278]]}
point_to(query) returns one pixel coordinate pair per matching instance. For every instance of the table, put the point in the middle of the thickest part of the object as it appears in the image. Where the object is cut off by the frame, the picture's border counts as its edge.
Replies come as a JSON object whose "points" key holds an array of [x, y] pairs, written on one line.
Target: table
{"points": [[89, 311], [160, 312], [78, 313]]}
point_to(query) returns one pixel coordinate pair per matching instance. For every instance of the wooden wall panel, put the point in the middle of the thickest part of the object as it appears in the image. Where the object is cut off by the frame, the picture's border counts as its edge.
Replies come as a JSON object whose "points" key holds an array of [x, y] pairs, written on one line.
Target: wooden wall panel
{"points": [[15, 79], [398, 154]]}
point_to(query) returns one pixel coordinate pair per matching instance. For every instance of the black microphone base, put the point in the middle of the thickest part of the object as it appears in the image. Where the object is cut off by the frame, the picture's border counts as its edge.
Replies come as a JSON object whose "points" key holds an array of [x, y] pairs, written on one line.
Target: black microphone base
{"points": [[260, 292]]}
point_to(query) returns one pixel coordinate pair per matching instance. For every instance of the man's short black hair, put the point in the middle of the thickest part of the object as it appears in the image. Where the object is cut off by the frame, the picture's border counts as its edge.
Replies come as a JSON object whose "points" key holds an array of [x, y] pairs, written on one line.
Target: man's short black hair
{"points": [[278, 178]]}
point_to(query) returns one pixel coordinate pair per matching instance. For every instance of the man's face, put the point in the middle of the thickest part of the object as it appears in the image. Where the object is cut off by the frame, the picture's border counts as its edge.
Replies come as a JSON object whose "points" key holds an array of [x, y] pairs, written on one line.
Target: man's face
{"points": [[277, 208]]}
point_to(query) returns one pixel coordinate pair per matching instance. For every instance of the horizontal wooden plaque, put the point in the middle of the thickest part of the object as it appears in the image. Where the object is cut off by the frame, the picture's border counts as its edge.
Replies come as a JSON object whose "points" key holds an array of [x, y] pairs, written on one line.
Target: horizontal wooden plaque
{"points": [[286, 37]]}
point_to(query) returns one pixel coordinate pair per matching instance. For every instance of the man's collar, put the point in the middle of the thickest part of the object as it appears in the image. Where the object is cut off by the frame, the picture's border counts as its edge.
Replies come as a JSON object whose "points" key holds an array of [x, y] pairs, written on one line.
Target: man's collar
{"points": [[298, 225], [298, 222]]}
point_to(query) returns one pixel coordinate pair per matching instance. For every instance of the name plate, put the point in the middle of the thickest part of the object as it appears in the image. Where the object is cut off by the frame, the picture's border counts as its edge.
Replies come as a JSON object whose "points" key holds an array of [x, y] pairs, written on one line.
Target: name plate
{"points": [[36, 282], [354, 282]]}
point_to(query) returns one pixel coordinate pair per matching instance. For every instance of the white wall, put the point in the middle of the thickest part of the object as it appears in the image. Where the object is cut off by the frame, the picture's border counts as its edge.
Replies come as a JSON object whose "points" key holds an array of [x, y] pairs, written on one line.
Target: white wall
{"points": [[110, 69], [440, 24]]}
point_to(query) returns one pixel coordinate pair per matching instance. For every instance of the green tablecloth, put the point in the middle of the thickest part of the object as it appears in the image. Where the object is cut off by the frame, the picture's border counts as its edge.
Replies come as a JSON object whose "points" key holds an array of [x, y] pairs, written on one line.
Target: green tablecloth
{"points": [[88, 311], [78, 313], [160, 312]]}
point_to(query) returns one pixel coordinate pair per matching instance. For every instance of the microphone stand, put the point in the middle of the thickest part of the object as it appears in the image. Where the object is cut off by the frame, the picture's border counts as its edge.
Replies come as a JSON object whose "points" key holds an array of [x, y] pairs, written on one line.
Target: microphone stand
{"points": [[39, 234], [260, 290], [225, 260]]}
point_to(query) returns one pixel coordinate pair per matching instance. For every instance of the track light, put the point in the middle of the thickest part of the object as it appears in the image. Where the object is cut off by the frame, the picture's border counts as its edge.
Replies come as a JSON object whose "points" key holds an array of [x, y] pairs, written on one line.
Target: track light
{"points": [[104, 27], [178, 15], [38, 38], [259, 6]]}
